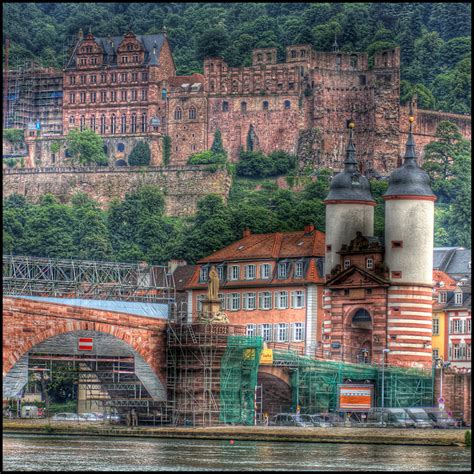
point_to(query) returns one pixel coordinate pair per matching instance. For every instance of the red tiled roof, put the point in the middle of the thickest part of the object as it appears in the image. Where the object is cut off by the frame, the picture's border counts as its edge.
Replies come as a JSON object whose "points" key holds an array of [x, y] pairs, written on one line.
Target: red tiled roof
{"points": [[182, 275], [271, 246], [449, 283], [178, 81]]}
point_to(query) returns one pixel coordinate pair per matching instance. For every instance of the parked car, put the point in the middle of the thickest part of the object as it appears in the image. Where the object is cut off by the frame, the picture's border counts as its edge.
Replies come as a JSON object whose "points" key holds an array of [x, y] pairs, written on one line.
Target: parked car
{"points": [[290, 419], [67, 417], [420, 417], [321, 421], [113, 418], [441, 419], [90, 416]]}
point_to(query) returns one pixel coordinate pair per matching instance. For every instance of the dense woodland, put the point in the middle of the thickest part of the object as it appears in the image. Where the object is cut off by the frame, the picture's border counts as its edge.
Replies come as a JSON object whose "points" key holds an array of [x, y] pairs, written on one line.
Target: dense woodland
{"points": [[435, 38]]}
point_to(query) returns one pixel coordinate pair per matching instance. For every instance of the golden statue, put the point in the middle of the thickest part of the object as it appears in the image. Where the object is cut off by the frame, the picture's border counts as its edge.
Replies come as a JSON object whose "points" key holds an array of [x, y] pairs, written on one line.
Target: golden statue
{"points": [[213, 286]]}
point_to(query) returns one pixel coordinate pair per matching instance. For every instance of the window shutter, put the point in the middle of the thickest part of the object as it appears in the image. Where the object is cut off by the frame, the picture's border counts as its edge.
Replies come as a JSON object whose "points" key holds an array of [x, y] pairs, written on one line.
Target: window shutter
{"points": [[292, 299], [303, 336], [275, 333], [287, 338], [260, 300], [292, 332]]}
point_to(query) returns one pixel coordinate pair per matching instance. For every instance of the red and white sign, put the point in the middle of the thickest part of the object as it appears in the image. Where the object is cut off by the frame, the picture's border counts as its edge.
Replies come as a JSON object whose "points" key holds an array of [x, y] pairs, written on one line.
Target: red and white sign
{"points": [[85, 343], [355, 397]]}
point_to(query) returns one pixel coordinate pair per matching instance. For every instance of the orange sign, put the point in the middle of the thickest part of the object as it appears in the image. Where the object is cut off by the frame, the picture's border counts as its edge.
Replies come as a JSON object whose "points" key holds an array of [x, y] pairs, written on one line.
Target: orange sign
{"points": [[353, 397]]}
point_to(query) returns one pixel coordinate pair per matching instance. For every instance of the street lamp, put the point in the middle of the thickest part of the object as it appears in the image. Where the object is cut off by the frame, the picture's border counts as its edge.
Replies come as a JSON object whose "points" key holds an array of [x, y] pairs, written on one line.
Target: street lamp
{"points": [[384, 351]]}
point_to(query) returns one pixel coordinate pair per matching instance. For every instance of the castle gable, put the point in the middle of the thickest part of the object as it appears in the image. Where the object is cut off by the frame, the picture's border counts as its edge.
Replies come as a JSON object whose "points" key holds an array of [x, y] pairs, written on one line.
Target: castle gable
{"points": [[355, 276]]}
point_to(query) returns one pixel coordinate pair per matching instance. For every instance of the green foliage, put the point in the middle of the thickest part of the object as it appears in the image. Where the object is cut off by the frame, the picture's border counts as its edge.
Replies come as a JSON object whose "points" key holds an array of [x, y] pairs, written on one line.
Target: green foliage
{"points": [[467, 438], [140, 155], [207, 157], [217, 145], [434, 37], [13, 135], [256, 164], [56, 146], [85, 148], [166, 150]]}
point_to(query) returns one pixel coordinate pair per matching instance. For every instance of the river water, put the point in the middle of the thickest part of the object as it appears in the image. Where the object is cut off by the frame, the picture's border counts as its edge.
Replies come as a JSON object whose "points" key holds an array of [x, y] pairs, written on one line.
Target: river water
{"points": [[69, 453]]}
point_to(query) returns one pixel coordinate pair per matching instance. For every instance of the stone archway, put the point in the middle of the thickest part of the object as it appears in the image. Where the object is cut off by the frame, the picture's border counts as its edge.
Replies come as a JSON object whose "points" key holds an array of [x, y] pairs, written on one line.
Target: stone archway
{"points": [[276, 391], [358, 329]]}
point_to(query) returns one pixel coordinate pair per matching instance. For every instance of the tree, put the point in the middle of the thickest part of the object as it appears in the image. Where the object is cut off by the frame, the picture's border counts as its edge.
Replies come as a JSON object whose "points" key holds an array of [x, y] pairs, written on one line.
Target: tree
{"points": [[140, 155], [212, 43], [217, 145], [85, 148]]}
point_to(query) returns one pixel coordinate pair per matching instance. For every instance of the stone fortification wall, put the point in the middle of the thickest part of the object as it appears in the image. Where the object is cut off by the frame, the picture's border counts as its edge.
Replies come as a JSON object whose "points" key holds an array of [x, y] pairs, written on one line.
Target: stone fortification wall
{"points": [[183, 186]]}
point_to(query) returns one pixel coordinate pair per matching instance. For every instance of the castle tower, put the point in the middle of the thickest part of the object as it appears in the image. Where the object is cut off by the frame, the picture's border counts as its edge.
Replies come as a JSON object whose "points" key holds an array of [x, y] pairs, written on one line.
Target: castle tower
{"points": [[349, 207], [409, 222]]}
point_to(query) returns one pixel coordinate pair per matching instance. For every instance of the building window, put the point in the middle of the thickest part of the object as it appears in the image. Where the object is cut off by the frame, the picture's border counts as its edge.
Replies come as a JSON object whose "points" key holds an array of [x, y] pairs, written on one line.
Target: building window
{"points": [[456, 326], [250, 272], [103, 96], [221, 296], [135, 58], [192, 113], [287, 104], [265, 270], [134, 94], [282, 335], [113, 96], [102, 124], [113, 124], [265, 300], [144, 94], [396, 274], [93, 123], [282, 270], [293, 53], [353, 61], [468, 351], [72, 98], [468, 326], [458, 298], [83, 79], [347, 264], [134, 76], [282, 299], [82, 123], [163, 94], [291, 86], [199, 301], [234, 302], [435, 354], [436, 327], [123, 95], [267, 332], [251, 329], [250, 301], [368, 291], [298, 332], [144, 76], [265, 105], [362, 80], [72, 80], [93, 97], [178, 113], [103, 78], [299, 269], [347, 292], [123, 127], [113, 77], [225, 106], [370, 263], [71, 120], [203, 274], [234, 272], [442, 297], [83, 97], [220, 272], [134, 123], [397, 244], [144, 122], [328, 248], [243, 107], [297, 299]]}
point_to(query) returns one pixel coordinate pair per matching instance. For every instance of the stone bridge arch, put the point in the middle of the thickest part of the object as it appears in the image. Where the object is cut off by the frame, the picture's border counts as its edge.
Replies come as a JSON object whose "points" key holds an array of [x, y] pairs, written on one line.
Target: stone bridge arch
{"points": [[276, 388]]}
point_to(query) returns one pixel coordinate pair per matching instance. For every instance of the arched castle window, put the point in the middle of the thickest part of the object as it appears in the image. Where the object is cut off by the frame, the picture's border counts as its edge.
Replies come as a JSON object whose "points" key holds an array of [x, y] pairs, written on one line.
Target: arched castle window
{"points": [[113, 124], [212, 86], [302, 53], [178, 113], [287, 104], [353, 61], [134, 123], [135, 58], [293, 53], [129, 47], [385, 59], [71, 120], [192, 113], [82, 123], [123, 127], [259, 56], [243, 107], [102, 124], [144, 120], [225, 106], [93, 123], [265, 105], [235, 86]]}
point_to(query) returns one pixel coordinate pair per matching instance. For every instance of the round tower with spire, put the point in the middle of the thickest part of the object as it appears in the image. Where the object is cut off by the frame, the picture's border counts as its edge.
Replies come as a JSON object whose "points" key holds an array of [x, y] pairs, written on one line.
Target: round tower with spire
{"points": [[409, 223], [349, 207]]}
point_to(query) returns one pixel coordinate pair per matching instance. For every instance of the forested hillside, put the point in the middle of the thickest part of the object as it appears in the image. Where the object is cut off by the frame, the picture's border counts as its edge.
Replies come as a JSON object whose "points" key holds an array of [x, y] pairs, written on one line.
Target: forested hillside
{"points": [[435, 38]]}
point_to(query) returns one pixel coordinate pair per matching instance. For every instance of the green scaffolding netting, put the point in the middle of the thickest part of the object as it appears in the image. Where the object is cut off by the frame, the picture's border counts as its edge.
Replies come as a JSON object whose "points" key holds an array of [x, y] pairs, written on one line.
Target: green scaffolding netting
{"points": [[238, 379]]}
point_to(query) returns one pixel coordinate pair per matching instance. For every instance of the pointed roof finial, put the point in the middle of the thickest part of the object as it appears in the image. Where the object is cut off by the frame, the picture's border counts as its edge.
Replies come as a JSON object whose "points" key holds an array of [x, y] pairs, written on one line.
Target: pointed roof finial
{"points": [[350, 150], [335, 46], [80, 34], [410, 145], [164, 31]]}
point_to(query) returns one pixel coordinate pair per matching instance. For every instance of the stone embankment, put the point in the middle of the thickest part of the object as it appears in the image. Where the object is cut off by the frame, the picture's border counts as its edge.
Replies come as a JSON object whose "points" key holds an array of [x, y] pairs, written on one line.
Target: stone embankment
{"points": [[387, 436]]}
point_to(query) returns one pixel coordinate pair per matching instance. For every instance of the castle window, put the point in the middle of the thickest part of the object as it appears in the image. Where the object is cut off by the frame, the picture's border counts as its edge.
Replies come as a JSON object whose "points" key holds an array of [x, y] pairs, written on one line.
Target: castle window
{"points": [[370, 263], [123, 77], [93, 79], [302, 53], [102, 124], [265, 105], [269, 56], [397, 244], [103, 96], [396, 274], [243, 107], [72, 98], [328, 248], [225, 106], [120, 147], [144, 76], [72, 80], [442, 297], [113, 96], [134, 76], [259, 57], [163, 94], [368, 291], [144, 94], [129, 47], [234, 86], [113, 124], [353, 61], [134, 123], [124, 94], [134, 94], [113, 77], [291, 86], [338, 60], [212, 86], [144, 121], [83, 79], [83, 97], [347, 263], [435, 327], [124, 59], [83, 61], [82, 123], [294, 53], [123, 127], [458, 298], [194, 147], [93, 123], [135, 58], [347, 292], [71, 120], [192, 113], [287, 104], [94, 60], [103, 78], [178, 114], [385, 59]]}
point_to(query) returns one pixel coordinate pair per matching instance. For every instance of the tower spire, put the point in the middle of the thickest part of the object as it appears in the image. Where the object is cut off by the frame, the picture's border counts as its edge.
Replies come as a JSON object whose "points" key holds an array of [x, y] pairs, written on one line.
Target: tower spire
{"points": [[350, 162], [335, 46], [410, 154]]}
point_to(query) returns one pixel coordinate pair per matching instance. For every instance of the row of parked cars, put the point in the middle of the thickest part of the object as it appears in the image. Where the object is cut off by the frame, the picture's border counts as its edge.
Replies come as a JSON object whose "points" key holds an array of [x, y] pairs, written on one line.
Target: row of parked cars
{"points": [[92, 417], [388, 417]]}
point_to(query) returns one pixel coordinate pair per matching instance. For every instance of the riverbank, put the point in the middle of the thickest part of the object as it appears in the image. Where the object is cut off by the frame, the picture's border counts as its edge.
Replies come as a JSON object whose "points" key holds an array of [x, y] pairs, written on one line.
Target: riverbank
{"points": [[426, 437]]}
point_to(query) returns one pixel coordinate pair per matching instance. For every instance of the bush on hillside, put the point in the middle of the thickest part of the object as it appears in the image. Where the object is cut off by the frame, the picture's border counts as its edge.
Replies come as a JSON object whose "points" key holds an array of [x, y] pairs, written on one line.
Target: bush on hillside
{"points": [[140, 155]]}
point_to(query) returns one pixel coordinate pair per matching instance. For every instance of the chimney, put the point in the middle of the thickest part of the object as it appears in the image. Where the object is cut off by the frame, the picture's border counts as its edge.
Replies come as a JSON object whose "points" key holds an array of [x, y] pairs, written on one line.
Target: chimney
{"points": [[309, 228], [246, 232]]}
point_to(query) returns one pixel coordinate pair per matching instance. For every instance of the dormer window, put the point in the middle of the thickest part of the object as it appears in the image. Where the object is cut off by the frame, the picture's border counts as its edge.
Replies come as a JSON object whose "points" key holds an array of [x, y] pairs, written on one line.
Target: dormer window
{"points": [[347, 264], [282, 270], [299, 269], [442, 297], [203, 276], [458, 298], [370, 263]]}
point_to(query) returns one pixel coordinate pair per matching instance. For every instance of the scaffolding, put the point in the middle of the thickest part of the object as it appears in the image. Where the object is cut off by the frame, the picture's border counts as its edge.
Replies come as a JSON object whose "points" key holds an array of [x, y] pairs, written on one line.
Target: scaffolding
{"points": [[32, 276]]}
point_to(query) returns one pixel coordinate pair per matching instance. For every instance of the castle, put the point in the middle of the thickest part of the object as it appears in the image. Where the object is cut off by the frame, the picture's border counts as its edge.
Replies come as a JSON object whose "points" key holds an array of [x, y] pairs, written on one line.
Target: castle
{"points": [[126, 89]]}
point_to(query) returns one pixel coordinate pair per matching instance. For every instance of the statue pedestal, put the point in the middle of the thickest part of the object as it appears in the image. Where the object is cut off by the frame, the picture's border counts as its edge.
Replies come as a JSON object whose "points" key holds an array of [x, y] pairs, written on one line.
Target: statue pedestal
{"points": [[211, 312]]}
